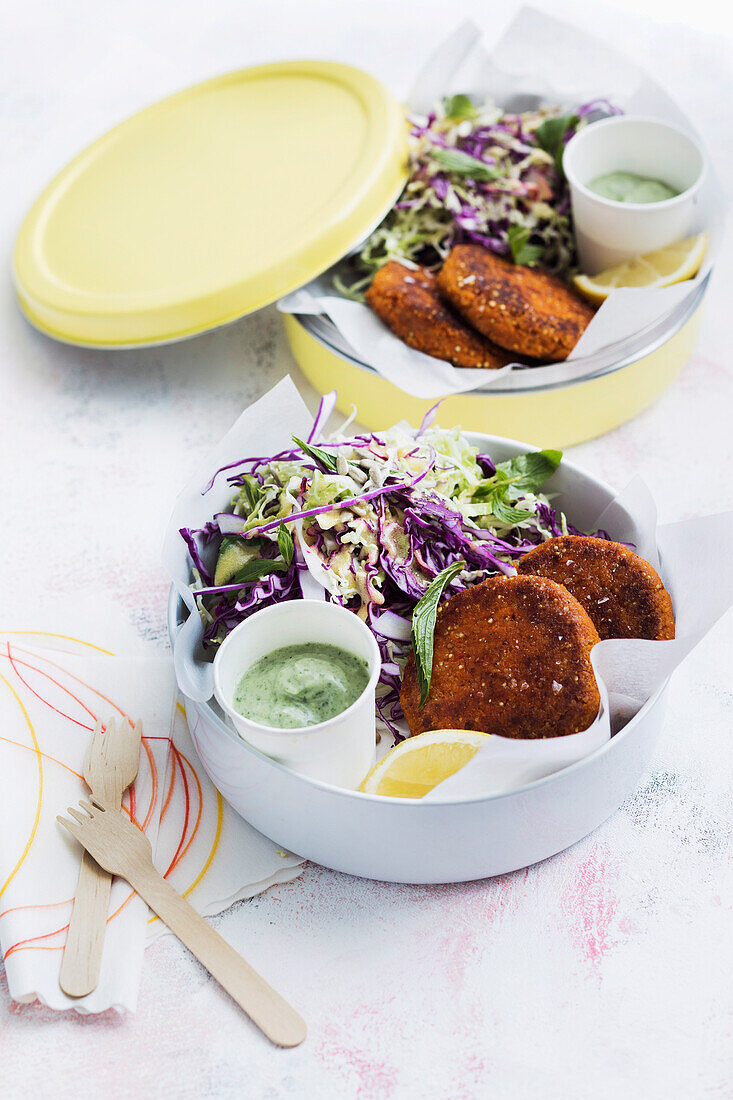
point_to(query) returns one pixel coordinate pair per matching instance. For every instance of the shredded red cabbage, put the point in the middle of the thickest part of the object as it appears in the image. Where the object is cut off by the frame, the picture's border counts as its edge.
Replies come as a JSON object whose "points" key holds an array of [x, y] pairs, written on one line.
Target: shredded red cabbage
{"points": [[390, 551]]}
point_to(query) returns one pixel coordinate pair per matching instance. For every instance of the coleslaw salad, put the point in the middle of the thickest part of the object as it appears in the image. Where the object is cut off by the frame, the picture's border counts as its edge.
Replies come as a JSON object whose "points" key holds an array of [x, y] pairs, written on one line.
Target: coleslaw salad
{"points": [[479, 174], [368, 521]]}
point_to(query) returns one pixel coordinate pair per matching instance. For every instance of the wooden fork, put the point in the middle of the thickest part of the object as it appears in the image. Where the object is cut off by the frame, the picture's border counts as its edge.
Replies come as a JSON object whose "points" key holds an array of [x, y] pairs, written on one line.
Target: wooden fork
{"points": [[110, 767], [123, 849]]}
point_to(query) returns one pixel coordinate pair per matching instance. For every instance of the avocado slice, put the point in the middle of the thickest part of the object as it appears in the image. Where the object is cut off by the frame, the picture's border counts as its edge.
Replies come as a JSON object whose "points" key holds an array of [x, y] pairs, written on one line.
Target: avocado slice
{"points": [[234, 552]]}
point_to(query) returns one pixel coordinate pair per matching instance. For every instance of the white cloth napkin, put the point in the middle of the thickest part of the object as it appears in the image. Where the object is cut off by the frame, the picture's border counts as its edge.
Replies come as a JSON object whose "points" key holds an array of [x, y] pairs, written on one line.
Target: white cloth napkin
{"points": [[60, 670]]}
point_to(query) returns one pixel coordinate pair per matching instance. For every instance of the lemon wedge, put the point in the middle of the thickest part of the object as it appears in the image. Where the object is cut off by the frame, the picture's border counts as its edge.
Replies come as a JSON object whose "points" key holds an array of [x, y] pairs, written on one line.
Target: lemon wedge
{"points": [[672, 264], [416, 765]]}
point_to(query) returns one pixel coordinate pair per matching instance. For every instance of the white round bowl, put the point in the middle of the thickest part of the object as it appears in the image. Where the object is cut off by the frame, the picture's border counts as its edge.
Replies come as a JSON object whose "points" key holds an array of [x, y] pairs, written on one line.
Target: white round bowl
{"points": [[405, 840], [608, 232]]}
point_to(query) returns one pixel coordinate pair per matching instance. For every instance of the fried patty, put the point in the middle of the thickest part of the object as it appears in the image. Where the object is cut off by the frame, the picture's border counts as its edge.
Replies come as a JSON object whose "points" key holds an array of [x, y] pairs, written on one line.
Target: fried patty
{"points": [[408, 302], [621, 592], [511, 657], [525, 311]]}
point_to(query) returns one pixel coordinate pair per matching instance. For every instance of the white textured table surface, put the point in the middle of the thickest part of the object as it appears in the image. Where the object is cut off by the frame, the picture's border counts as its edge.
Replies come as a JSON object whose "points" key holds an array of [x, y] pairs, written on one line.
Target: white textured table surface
{"points": [[605, 972]]}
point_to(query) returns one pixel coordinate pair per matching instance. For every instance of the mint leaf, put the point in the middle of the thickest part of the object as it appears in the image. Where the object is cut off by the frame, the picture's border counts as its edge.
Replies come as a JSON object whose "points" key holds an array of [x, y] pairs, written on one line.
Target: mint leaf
{"points": [[286, 544], [324, 459], [257, 568], [515, 479], [459, 107], [509, 513], [527, 473], [490, 487], [423, 626], [493, 502], [522, 251], [453, 160], [550, 136]]}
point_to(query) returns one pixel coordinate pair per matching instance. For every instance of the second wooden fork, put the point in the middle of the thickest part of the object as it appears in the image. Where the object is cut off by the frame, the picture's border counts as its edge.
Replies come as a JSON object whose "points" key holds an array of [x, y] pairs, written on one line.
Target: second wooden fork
{"points": [[110, 767]]}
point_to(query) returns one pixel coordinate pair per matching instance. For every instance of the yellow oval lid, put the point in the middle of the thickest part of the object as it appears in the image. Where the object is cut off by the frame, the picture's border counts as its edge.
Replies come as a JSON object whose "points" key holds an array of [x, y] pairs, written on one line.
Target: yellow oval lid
{"points": [[210, 204]]}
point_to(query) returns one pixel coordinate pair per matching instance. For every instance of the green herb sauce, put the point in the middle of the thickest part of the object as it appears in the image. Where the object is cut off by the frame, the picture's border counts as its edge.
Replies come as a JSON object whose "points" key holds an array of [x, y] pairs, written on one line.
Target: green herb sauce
{"points": [[628, 187], [301, 685]]}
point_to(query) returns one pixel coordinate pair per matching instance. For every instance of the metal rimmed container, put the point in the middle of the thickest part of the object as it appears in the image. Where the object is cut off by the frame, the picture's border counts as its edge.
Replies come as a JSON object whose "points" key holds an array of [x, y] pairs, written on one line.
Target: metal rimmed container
{"points": [[402, 840], [556, 405]]}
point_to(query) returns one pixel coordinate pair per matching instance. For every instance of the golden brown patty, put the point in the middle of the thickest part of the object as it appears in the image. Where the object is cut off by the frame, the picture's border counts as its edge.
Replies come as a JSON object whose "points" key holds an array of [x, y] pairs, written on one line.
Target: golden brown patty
{"points": [[511, 657], [408, 302], [528, 312], [620, 591]]}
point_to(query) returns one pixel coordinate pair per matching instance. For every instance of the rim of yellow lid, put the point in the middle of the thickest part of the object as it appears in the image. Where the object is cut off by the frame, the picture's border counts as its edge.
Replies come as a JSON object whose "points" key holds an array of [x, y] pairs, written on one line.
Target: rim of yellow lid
{"points": [[76, 259]]}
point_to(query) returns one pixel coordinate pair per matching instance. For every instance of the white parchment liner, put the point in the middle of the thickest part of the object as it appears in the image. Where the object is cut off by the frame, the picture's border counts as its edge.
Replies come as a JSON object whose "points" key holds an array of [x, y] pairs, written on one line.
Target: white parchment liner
{"points": [[628, 671], [537, 56]]}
